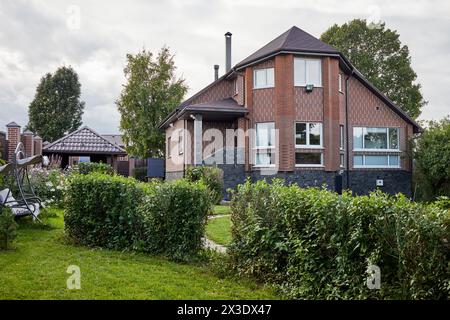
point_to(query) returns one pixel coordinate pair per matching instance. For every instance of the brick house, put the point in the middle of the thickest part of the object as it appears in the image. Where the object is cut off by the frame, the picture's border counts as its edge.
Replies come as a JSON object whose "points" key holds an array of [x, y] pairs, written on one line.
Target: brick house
{"points": [[295, 109]]}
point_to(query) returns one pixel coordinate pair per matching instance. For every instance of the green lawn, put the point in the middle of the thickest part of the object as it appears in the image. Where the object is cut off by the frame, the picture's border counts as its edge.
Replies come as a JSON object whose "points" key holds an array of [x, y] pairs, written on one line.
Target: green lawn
{"points": [[219, 230], [221, 209], [36, 269]]}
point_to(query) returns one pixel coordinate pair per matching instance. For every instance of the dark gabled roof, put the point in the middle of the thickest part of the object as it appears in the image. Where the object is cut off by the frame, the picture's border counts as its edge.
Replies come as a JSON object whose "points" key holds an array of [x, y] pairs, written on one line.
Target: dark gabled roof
{"points": [[296, 40], [83, 141], [114, 138], [226, 107], [12, 124]]}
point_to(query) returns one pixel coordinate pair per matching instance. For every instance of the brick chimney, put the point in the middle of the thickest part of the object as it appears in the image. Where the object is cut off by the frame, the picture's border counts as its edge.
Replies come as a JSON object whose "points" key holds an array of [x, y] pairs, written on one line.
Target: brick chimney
{"points": [[13, 138], [37, 145], [28, 143]]}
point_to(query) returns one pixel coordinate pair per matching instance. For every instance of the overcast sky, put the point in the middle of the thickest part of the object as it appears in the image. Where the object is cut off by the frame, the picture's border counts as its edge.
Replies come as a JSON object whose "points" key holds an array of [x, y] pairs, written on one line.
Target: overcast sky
{"points": [[94, 37]]}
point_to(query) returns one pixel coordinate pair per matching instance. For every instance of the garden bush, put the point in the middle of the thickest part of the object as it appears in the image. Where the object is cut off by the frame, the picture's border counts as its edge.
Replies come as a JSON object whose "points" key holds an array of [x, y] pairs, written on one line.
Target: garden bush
{"points": [[99, 167], [175, 217], [101, 210], [140, 173], [49, 185], [8, 228], [317, 244], [212, 177], [121, 213]]}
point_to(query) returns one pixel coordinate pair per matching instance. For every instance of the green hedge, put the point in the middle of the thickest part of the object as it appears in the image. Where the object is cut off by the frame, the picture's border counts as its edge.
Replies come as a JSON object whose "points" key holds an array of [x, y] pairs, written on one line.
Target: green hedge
{"points": [[175, 217], [317, 244], [122, 213], [99, 167], [8, 228], [212, 177]]}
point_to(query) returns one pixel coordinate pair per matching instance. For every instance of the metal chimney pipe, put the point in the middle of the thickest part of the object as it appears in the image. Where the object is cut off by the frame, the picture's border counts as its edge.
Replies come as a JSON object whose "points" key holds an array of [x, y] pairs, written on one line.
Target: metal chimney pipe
{"points": [[216, 72], [228, 51]]}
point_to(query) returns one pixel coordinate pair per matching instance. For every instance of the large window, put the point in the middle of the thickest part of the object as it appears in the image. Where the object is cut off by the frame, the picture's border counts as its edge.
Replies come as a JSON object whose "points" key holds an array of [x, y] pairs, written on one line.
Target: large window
{"points": [[180, 142], [307, 71], [375, 138], [376, 161], [265, 144], [308, 135], [263, 78]]}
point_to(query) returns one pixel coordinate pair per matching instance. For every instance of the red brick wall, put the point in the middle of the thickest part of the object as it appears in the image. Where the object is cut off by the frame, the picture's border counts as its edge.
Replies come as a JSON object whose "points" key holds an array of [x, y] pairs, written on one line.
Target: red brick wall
{"points": [[13, 140], [308, 106]]}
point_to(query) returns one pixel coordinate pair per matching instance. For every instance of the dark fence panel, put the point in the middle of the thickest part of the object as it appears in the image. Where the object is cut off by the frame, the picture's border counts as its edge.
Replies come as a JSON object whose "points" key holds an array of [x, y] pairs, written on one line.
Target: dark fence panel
{"points": [[155, 168]]}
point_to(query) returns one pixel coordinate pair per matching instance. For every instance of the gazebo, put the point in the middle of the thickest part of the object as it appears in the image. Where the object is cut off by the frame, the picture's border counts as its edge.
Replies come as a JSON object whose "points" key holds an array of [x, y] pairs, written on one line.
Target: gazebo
{"points": [[85, 142]]}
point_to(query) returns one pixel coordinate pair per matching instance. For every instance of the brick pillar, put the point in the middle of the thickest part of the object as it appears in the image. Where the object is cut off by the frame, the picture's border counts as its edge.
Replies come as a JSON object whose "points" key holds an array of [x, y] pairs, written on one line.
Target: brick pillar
{"points": [[37, 145], [331, 133], [285, 112], [13, 138], [3, 146], [28, 143]]}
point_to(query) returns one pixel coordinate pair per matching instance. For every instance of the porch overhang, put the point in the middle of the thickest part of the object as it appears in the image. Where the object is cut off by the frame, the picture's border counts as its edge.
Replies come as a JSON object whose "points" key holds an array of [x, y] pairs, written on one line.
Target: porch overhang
{"points": [[227, 109]]}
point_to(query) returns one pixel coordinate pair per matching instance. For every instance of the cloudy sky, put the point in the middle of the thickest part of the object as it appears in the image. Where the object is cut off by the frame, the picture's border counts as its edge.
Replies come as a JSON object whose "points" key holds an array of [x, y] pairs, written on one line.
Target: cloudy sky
{"points": [[37, 36]]}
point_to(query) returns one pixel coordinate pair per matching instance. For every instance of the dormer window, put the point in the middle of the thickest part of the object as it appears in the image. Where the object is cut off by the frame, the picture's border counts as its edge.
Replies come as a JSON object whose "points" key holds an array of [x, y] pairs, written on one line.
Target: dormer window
{"points": [[307, 71], [263, 78]]}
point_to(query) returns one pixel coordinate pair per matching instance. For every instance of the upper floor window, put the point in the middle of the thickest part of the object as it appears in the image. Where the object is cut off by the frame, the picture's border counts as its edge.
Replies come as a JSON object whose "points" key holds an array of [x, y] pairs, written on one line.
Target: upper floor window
{"points": [[341, 137], [263, 78], [340, 82], [375, 138], [308, 135], [307, 71], [169, 147], [180, 142]]}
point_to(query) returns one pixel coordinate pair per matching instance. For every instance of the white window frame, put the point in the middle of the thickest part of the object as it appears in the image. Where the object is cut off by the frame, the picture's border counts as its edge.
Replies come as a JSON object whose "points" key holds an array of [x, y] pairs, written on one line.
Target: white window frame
{"points": [[341, 137], [236, 86], [342, 157], [308, 145], [340, 83], [307, 82], [310, 165], [257, 148], [377, 150], [398, 166], [267, 85], [180, 141]]}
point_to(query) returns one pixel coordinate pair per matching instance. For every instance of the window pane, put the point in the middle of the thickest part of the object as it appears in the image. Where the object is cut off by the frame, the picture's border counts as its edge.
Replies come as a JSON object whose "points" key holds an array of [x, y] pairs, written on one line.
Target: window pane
{"points": [[314, 134], [308, 158], [375, 138], [357, 138], [376, 160], [393, 138], [358, 160], [313, 69], [270, 77], [263, 158], [265, 134], [300, 133], [299, 72], [341, 137], [394, 161], [260, 78], [341, 159], [340, 82]]}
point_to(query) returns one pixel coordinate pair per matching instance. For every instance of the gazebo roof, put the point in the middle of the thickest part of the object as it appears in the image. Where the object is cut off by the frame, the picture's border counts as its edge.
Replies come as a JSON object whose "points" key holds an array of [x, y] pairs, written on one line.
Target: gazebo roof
{"points": [[84, 141]]}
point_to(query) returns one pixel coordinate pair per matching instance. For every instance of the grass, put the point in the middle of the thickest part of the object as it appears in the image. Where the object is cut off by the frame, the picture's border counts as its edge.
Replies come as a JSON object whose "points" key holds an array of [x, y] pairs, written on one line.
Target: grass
{"points": [[221, 210], [36, 269], [219, 230]]}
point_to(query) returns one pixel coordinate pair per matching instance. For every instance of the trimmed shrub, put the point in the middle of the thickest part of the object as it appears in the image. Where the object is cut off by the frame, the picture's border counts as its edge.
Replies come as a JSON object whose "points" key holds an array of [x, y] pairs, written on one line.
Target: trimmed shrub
{"points": [[175, 217], [212, 177], [8, 228], [121, 213], [317, 244], [101, 210], [99, 167]]}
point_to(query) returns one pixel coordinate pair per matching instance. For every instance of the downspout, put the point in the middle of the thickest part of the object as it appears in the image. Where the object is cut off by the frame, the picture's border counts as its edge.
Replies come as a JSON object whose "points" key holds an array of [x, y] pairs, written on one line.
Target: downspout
{"points": [[347, 143]]}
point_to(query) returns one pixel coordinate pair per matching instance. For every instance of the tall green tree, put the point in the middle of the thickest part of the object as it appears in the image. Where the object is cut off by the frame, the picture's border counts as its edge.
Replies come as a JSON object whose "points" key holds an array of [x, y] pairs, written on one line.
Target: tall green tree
{"points": [[378, 54], [56, 108], [432, 159], [151, 92]]}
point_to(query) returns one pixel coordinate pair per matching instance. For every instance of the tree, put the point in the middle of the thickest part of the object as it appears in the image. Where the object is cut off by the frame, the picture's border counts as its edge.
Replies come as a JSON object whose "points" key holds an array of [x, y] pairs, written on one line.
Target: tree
{"points": [[432, 159], [56, 108], [379, 55], [151, 92]]}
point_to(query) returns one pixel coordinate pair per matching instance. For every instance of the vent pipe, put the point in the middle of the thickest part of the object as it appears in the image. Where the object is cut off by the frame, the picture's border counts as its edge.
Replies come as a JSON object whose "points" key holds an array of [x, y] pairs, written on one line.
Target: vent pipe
{"points": [[216, 72], [228, 51]]}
